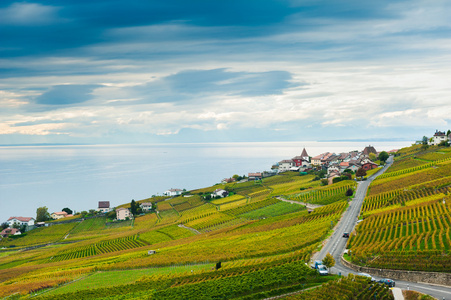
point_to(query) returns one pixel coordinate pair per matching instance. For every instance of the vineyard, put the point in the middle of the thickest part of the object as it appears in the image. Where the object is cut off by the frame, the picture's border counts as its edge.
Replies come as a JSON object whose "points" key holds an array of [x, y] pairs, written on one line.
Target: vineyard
{"points": [[324, 195], [262, 243], [407, 216], [99, 248], [346, 288]]}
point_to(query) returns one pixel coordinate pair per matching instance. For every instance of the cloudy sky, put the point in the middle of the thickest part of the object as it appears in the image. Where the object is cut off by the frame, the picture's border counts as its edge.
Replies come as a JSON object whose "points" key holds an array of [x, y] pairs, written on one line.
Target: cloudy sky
{"points": [[97, 71]]}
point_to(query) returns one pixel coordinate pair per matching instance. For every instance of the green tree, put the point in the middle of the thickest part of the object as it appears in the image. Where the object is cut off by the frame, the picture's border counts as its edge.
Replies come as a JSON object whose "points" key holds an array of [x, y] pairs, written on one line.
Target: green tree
{"points": [[68, 210], [42, 214], [4, 225], [372, 156], [329, 260], [133, 207], [349, 192], [424, 141], [383, 156], [360, 173], [111, 214]]}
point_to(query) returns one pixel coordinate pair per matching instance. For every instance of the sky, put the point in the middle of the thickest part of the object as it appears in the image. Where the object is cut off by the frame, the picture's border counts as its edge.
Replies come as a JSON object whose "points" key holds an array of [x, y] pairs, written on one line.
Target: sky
{"points": [[118, 72]]}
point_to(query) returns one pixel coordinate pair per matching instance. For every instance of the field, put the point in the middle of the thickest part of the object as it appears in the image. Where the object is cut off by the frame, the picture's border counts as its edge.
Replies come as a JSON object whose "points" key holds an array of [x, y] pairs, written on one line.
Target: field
{"points": [[262, 244], [407, 215]]}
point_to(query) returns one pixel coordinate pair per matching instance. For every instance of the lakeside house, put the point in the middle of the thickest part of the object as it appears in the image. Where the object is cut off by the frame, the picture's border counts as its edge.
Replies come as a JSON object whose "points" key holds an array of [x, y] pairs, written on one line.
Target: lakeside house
{"points": [[219, 193], [28, 221], [104, 206], [255, 176], [146, 206], [438, 137], [58, 215], [122, 213], [10, 231], [173, 192]]}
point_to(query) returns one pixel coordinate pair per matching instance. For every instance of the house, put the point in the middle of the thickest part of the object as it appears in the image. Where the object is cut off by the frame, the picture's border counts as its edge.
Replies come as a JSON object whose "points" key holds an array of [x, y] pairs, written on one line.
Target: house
{"points": [[219, 193], [104, 206], [369, 149], [438, 137], [321, 159], [58, 215], [255, 176], [173, 192], [333, 169], [228, 180], [369, 166], [285, 165], [302, 160], [146, 206], [123, 213], [10, 231], [21, 221]]}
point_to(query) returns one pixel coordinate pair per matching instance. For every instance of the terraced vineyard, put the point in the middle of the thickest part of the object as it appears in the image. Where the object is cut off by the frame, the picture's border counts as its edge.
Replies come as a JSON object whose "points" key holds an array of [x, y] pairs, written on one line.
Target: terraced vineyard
{"points": [[120, 244], [262, 243], [407, 217], [324, 195]]}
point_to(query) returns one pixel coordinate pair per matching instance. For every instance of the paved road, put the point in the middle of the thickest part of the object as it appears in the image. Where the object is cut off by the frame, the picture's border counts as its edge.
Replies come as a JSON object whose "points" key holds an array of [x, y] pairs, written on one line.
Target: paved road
{"points": [[336, 244]]}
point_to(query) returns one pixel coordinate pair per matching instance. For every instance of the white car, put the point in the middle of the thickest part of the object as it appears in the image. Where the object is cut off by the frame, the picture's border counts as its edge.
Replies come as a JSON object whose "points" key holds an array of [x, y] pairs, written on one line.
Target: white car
{"points": [[366, 275]]}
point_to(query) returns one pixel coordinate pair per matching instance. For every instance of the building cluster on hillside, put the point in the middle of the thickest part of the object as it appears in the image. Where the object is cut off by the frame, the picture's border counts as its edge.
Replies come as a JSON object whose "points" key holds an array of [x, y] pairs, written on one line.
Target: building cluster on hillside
{"points": [[332, 163]]}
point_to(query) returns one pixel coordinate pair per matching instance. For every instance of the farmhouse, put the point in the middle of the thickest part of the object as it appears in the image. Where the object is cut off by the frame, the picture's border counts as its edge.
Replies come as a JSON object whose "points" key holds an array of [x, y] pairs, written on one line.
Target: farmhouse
{"points": [[438, 137], [220, 193], [122, 213], [146, 206], [21, 221], [10, 231], [173, 192], [104, 206], [255, 176]]}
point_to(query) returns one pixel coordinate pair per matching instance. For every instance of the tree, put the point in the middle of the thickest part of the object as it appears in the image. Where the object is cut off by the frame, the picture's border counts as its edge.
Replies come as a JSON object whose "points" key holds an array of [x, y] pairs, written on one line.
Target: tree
{"points": [[111, 214], [68, 210], [360, 172], [349, 192], [424, 143], [42, 214], [133, 207], [372, 156], [383, 156], [4, 225], [329, 260]]}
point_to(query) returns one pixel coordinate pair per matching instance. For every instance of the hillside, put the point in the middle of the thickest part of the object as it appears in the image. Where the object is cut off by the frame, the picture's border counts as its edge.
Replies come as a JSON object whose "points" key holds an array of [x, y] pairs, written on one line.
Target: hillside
{"points": [[260, 241], [407, 214]]}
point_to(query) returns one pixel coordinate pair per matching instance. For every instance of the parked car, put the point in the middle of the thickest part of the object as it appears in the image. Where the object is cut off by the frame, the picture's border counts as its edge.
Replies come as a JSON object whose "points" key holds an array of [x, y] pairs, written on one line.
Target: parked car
{"points": [[389, 282], [366, 275], [318, 265], [346, 234]]}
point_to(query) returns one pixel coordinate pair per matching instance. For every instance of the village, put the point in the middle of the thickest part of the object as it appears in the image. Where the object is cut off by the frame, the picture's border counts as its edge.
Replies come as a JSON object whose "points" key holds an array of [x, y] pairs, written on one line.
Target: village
{"points": [[329, 167]]}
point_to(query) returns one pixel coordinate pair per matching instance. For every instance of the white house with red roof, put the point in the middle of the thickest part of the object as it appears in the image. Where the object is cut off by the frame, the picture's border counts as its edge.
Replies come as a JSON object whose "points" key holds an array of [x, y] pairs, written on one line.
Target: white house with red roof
{"points": [[438, 137], [173, 192], [21, 221]]}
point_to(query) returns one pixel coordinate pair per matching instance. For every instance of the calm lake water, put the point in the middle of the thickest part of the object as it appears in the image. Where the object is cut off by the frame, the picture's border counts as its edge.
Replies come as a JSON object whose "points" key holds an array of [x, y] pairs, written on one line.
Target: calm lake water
{"points": [[79, 176]]}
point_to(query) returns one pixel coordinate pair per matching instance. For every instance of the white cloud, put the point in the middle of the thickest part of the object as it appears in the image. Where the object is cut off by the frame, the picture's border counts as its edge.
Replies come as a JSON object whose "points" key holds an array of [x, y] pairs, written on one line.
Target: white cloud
{"points": [[28, 14]]}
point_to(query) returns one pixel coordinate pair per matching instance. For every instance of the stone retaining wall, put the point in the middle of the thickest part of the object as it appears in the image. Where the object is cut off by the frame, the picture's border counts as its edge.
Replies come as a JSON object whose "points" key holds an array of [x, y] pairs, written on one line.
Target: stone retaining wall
{"points": [[415, 276]]}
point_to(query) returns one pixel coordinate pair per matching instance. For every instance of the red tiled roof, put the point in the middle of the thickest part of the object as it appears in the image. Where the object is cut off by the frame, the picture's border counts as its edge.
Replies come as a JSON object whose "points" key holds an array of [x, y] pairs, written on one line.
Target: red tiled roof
{"points": [[60, 213], [22, 219]]}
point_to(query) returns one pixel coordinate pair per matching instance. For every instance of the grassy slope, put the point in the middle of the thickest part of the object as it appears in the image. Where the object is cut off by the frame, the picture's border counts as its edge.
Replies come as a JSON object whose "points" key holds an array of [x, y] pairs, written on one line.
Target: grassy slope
{"points": [[286, 234]]}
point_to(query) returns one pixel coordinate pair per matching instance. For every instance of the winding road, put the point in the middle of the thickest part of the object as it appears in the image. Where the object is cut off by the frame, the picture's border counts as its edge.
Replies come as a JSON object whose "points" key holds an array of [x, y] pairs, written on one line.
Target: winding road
{"points": [[336, 243]]}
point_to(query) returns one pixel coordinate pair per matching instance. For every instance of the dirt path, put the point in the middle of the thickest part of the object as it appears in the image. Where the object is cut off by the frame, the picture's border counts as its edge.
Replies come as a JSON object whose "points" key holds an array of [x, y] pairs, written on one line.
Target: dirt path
{"points": [[308, 205], [189, 228]]}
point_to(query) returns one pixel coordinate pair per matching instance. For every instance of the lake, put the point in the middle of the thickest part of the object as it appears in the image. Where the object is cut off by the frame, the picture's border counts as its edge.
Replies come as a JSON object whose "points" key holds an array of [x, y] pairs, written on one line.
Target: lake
{"points": [[79, 176]]}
